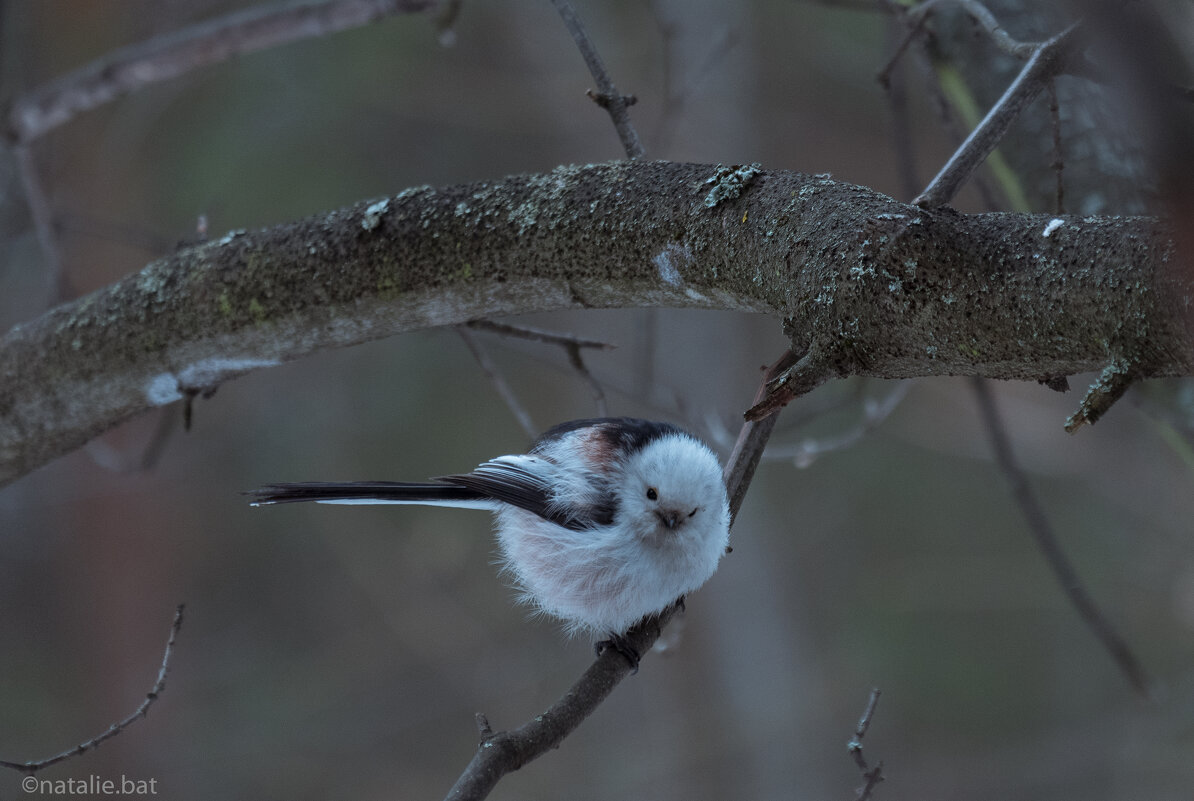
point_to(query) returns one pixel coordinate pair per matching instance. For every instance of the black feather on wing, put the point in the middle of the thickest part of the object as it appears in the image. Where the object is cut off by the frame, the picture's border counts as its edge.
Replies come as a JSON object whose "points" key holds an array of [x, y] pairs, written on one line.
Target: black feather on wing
{"points": [[509, 480]]}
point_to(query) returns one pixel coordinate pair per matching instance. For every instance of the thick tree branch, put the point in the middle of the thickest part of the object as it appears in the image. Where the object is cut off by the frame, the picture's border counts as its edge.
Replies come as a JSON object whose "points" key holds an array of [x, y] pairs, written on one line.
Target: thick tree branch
{"points": [[864, 285]]}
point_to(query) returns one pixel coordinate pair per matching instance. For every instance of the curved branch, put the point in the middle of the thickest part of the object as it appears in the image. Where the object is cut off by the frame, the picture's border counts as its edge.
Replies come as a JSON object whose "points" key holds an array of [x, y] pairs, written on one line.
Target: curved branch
{"points": [[864, 285], [168, 56]]}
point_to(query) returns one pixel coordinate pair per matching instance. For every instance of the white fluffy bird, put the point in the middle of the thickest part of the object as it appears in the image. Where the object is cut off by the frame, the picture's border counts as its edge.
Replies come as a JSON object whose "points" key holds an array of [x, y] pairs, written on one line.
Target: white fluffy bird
{"points": [[602, 523]]}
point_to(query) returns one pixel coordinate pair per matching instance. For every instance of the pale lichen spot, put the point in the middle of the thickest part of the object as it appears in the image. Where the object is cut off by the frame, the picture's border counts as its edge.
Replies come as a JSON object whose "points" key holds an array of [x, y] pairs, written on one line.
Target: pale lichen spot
{"points": [[411, 191], [1053, 225], [670, 261], [525, 216], [162, 389], [373, 214], [168, 387], [730, 182]]}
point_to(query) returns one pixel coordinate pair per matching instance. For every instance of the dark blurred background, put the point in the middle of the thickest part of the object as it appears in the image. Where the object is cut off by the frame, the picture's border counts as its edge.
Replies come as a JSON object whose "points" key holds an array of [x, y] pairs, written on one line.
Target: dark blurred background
{"points": [[342, 652]]}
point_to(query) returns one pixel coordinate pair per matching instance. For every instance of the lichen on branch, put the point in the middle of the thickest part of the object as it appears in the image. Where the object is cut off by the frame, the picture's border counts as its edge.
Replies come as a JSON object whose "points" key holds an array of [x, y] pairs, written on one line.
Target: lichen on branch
{"points": [[862, 283]]}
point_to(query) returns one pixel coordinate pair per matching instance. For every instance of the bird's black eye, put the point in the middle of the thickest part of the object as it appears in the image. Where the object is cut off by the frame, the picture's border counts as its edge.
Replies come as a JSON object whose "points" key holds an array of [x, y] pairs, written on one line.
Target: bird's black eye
{"points": [[652, 494], [693, 512]]}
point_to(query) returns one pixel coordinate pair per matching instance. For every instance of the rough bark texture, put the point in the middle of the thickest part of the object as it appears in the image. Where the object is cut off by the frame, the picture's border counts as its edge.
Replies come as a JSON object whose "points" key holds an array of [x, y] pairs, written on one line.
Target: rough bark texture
{"points": [[864, 285]]}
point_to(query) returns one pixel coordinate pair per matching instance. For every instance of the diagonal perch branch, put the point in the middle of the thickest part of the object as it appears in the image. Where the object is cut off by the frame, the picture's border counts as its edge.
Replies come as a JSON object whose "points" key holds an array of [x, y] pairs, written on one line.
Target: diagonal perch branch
{"points": [[507, 751]]}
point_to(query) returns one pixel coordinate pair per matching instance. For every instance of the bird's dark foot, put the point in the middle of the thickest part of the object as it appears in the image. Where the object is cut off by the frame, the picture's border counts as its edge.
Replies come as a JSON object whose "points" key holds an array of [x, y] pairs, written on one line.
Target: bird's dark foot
{"points": [[619, 643]]}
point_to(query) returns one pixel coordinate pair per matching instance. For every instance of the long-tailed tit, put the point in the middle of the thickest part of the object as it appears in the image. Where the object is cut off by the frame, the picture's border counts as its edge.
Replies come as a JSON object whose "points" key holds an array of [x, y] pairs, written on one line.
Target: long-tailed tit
{"points": [[602, 523]]}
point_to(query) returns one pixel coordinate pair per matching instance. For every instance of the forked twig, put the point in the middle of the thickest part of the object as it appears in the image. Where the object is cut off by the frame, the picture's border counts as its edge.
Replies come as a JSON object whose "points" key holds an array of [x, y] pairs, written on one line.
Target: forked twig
{"points": [[608, 96], [571, 345], [1048, 60]]}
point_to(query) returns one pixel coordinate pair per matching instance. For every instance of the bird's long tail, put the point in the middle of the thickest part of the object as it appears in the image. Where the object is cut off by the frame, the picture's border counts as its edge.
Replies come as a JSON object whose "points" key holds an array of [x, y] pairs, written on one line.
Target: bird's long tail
{"points": [[371, 492]]}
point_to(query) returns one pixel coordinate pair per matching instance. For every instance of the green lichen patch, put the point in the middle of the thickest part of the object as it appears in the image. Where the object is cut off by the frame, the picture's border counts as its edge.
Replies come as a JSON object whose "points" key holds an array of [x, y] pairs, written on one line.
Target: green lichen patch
{"points": [[730, 182]]}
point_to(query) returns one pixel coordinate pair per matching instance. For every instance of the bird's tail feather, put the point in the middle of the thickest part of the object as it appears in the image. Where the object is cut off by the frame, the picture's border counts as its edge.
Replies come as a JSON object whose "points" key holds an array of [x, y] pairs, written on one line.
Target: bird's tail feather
{"points": [[370, 492]]}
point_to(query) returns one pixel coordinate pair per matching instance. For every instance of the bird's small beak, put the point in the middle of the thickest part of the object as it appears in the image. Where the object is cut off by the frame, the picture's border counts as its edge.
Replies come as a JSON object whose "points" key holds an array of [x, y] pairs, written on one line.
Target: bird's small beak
{"points": [[669, 519]]}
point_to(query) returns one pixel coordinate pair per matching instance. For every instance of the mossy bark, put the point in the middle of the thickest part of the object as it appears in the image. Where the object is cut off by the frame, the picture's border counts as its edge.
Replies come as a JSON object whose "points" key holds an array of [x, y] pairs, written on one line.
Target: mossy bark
{"points": [[864, 284]]}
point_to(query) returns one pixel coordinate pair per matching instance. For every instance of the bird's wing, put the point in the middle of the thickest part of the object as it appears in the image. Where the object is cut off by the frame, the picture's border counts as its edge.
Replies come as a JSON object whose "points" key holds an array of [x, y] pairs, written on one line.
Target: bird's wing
{"points": [[524, 481]]}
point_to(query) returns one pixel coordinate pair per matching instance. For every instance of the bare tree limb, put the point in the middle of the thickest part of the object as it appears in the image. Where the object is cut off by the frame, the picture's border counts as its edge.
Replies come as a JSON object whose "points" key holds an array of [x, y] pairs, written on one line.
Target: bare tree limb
{"points": [[165, 57], [608, 96], [116, 728], [864, 285], [1046, 540]]}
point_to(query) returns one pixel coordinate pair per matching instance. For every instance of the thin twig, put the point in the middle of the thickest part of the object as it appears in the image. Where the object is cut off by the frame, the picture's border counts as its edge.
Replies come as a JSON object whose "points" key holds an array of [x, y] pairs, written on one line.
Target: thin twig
{"points": [[43, 224], [570, 344], [914, 22], [445, 21], [902, 139], [119, 460], [676, 94], [578, 364], [1048, 60], [949, 122], [608, 96], [506, 751], [872, 775], [1002, 40], [1046, 540], [874, 412], [538, 335], [211, 42], [499, 382], [1058, 163], [116, 728]]}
